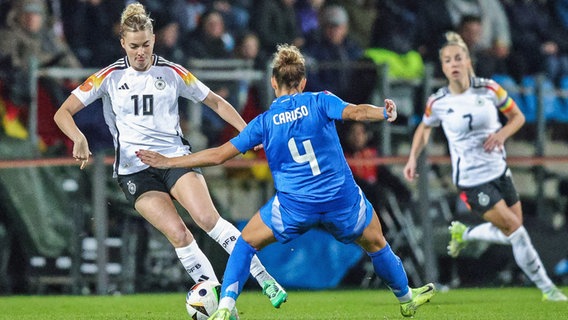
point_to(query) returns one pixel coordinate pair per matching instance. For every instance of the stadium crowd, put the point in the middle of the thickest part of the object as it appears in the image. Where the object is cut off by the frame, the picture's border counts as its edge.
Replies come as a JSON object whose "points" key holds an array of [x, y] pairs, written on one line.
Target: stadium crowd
{"points": [[506, 37]]}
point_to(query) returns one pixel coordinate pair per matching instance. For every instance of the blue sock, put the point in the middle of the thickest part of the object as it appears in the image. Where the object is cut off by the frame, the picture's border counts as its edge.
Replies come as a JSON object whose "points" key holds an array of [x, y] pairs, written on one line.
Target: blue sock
{"points": [[389, 268], [237, 270]]}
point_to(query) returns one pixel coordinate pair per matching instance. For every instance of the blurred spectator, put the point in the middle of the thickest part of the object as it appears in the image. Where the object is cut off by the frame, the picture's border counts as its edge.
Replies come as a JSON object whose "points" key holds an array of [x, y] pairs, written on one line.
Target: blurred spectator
{"points": [[275, 22], [438, 16], [495, 33], [535, 42], [560, 9], [394, 37], [433, 20], [362, 15], [28, 37], [210, 40], [248, 101], [307, 16], [4, 8], [167, 39], [485, 64], [358, 144], [89, 27], [248, 48], [332, 55], [187, 13], [235, 14]]}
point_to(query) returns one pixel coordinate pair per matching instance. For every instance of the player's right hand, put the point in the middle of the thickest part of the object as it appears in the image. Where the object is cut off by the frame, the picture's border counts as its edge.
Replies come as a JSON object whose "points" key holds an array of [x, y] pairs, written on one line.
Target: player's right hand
{"points": [[153, 159]]}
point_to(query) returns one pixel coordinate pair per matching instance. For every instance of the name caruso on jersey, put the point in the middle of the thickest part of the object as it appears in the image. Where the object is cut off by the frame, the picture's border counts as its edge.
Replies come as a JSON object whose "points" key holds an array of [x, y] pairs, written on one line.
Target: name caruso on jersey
{"points": [[289, 116]]}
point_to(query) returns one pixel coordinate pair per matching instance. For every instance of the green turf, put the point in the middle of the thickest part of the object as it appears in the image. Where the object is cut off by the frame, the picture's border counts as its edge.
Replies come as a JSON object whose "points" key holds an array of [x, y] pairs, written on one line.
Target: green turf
{"points": [[475, 304]]}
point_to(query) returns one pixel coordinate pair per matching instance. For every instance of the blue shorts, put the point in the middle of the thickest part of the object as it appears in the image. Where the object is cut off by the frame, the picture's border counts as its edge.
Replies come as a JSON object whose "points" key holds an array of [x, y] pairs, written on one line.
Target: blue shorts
{"points": [[346, 224]]}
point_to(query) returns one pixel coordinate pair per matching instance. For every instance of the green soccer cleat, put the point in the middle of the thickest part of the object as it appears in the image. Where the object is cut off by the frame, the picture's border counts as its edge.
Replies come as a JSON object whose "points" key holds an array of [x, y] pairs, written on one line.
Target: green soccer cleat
{"points": [[274, 292], [221, 314], [234, 314], [419, 297], [457, 243], [554, 295]]}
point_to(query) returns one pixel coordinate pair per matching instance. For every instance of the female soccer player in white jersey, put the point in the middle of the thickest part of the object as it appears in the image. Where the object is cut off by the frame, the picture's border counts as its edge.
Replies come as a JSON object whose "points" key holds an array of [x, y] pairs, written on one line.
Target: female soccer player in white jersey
{"points": [[467, 109], [314, 185], [140, 93]]}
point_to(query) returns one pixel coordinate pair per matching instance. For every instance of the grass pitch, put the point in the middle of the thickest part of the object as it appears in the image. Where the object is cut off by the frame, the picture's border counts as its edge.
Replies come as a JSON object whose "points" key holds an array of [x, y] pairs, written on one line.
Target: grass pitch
{"points": [[462, 304]]}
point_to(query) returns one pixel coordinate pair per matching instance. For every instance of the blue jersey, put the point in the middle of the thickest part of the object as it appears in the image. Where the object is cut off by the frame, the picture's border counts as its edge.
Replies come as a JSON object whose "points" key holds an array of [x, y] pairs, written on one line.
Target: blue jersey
{"points": [[303, 150]]}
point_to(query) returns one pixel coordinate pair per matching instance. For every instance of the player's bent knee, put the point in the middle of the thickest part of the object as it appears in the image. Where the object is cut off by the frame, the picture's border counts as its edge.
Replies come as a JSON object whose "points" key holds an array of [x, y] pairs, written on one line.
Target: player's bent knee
{"points": [[179, 237]]}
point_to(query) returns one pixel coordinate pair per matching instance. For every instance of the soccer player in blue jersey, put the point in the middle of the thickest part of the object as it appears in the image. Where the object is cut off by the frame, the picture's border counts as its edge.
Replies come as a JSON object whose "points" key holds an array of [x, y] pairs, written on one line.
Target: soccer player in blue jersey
{"points": [[314, 185]]}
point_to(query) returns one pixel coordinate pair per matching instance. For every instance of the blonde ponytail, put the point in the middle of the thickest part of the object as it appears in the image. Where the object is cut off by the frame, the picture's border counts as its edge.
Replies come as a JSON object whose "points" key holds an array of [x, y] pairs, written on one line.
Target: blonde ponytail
{"points": [[134, 18]]}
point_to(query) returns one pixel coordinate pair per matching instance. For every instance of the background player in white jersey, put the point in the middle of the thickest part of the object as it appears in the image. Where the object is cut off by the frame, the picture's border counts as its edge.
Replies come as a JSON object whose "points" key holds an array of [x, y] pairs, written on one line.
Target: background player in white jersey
{"points": [[140, 93], [314, 185], [467, 109]]}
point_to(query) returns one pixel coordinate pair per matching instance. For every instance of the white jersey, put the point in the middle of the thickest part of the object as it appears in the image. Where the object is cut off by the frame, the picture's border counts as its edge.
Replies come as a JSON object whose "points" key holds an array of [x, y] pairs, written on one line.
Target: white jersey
{"points": [[141, 108], [467, 120]]}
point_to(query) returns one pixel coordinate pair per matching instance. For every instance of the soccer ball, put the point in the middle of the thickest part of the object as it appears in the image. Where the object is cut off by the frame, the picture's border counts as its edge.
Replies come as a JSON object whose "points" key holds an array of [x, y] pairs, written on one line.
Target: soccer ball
{"points": [[202, 299]]}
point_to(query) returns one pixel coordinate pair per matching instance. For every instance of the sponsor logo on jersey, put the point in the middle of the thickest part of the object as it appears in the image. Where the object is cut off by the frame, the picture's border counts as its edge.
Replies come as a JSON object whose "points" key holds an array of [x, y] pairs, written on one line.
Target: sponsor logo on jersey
{"points": [[483, 199], [124, 86]]}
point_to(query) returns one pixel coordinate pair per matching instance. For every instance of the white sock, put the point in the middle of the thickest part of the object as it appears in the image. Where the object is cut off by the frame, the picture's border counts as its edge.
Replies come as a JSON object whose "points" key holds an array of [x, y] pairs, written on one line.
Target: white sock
{"points": [[226, 235], [196, 263], [227, 302], [487, 232], [407, 297], [528, 260]]}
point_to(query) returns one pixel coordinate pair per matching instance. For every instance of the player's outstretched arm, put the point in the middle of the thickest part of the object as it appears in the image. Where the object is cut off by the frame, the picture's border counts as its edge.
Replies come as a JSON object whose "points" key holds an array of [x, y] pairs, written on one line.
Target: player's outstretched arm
{"points": [[369, 112], [204, 158]]}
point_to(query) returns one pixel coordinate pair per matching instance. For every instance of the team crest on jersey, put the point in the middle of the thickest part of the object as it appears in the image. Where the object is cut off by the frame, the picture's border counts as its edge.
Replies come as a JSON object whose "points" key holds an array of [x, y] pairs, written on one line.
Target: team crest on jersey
{"points": [[479, 101], [131, 187], [483, 199], [160, 84]]}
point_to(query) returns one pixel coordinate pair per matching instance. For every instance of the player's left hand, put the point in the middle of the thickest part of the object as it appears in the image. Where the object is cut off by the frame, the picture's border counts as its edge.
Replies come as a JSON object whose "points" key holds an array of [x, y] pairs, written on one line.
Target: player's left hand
{"points": [[494, 140], [391, 110], [153, 159], [81, 152]]}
